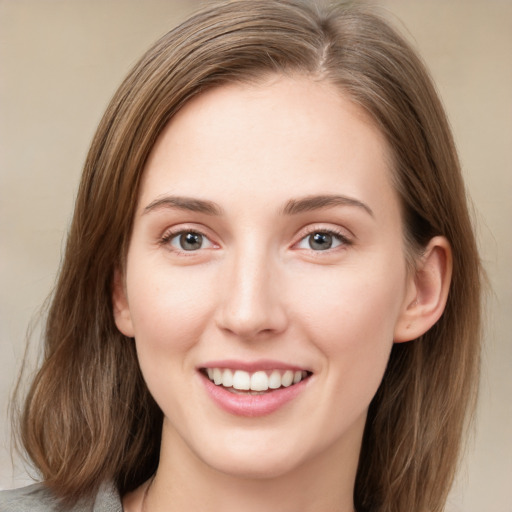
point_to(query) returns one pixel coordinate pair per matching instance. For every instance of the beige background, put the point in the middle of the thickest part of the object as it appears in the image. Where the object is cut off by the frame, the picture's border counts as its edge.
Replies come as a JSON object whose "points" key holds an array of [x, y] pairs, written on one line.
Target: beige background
{"points": [[60, 61]]}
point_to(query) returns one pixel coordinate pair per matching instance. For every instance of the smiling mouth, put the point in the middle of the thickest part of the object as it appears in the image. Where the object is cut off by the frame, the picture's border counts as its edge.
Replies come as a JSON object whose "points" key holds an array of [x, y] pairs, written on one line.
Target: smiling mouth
{"points": [[259, 382]]}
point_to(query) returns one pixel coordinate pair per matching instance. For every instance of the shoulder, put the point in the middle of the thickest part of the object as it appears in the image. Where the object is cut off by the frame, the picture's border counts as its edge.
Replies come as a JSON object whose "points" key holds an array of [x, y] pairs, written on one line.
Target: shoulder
{"points": [[32, 498], [38, 498]]}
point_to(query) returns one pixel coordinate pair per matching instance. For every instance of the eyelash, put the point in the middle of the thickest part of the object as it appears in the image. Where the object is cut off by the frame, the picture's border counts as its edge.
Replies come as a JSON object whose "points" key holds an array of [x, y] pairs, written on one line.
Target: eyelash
{"points": [[171, 234], [343, 240], [167, 238]]}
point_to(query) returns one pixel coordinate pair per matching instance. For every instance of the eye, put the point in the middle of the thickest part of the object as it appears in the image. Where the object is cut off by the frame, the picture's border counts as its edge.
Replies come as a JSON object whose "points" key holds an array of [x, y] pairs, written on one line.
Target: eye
{"points": [[188, 241], [322, 241]]}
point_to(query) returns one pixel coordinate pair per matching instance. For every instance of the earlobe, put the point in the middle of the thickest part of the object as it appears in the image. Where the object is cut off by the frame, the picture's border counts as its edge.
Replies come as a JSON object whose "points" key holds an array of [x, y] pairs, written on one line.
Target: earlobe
{"points": [[121, 309], [427, 291]]}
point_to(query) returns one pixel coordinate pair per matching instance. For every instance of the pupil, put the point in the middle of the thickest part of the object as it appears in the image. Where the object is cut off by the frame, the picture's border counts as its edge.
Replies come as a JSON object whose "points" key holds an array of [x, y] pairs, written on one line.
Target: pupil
{"points": [[320, 241], [191, 241]]}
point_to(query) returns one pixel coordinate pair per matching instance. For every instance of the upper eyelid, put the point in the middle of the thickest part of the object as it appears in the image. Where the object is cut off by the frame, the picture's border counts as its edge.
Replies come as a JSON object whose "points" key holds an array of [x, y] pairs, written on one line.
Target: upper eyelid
{"points": [[344, 240], [186, 228], [340, 231], [167, 237], [173, 231]]}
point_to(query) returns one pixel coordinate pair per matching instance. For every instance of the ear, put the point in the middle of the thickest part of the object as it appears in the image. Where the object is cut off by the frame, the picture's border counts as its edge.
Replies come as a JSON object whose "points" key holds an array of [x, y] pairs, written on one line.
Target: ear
{"points": [[122, 315], [427, 291]]}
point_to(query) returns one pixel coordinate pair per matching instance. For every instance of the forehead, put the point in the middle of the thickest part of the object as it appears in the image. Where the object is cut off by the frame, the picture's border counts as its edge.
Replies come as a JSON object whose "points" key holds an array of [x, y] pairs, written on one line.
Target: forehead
{"points": [[294, 135]]}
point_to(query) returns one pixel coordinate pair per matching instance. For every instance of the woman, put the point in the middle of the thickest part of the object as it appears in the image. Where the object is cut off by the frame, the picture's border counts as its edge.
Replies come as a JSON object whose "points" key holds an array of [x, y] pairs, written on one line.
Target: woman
{"points": [[270, 294]]}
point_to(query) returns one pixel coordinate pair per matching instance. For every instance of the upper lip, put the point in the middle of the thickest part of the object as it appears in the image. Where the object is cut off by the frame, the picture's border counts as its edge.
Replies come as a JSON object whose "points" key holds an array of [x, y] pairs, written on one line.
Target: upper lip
{"points": [[252, 366]]}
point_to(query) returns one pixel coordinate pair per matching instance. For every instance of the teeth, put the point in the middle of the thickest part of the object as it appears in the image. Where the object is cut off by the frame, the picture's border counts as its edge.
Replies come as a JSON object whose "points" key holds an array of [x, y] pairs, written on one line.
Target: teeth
{"points": [[217, 376], [274, 380], [258, 381], [227, 378], [241, 380], [287, 378]]}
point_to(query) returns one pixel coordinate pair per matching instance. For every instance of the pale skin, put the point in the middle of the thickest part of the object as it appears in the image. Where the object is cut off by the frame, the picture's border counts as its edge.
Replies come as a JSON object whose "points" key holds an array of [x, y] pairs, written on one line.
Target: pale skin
{"points": [[284, 188]]}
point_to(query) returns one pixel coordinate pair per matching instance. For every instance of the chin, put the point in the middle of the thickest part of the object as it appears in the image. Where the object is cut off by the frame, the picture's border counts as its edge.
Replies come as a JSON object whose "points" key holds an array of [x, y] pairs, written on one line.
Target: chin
{"points": [[261, 467], [249, 454]]}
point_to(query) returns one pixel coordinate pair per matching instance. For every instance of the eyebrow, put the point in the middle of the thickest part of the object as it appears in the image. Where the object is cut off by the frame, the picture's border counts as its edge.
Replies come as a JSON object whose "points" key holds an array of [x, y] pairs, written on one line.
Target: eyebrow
{"points": [[184, 203], [308, 203], [292, 207]]}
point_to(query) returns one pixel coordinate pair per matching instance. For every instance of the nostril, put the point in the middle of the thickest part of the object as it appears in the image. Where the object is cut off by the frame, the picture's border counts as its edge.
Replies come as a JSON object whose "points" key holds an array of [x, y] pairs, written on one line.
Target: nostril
{"points": [[251, 323]]}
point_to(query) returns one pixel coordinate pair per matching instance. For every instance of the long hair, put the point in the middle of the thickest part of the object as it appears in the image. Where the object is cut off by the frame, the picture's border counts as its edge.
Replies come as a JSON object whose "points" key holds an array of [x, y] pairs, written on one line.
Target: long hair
{"points": [[89, 417]]}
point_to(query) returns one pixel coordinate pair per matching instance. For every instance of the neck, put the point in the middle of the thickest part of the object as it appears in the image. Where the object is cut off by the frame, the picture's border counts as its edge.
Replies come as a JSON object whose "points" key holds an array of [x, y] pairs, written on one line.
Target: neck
{"points": [[325, 482]]}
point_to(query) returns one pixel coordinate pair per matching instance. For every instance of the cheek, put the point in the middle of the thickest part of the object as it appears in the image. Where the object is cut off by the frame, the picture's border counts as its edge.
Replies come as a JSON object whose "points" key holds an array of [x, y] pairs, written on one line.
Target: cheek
{"points": [[351, 324], [351, 318], [352, 305], [169, 309]]}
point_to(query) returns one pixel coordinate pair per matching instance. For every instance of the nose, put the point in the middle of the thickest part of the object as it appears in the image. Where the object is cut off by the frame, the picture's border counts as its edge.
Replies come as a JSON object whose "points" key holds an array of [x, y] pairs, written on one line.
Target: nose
{"points": [[251, 297]]}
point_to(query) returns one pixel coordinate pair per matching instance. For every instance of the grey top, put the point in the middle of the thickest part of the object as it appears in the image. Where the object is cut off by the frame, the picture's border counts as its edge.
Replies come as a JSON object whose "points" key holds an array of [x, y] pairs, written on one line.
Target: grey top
{"points": [[38, 498]]}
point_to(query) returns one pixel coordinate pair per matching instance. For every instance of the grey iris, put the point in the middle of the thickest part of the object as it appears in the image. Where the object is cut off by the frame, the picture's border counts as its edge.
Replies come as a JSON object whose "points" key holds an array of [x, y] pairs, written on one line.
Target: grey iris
{"points": [[320, 241], [191, 241]]}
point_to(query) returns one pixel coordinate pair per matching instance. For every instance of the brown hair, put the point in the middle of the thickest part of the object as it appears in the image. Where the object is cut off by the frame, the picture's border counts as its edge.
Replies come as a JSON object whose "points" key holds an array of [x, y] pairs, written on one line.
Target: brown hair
{"points": [[89, 417]]}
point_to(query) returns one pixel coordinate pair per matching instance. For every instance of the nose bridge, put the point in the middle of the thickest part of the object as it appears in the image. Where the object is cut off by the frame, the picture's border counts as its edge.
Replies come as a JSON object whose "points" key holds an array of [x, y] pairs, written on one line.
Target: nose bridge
{"points": [[251, 297]]}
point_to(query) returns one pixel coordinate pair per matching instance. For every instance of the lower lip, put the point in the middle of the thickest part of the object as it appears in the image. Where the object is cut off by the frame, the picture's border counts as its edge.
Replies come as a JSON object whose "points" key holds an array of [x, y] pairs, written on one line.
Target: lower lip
{"points": [[252, 405]]}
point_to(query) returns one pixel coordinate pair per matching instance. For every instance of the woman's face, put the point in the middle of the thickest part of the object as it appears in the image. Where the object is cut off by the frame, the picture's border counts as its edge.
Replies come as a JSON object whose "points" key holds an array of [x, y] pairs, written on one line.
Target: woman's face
{"points": [[266, 253]]}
